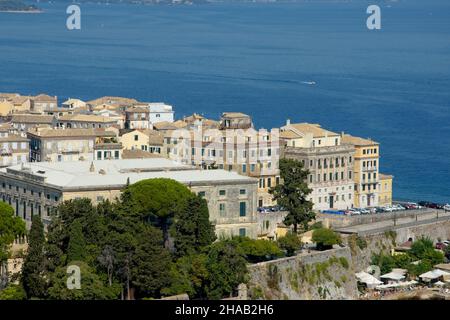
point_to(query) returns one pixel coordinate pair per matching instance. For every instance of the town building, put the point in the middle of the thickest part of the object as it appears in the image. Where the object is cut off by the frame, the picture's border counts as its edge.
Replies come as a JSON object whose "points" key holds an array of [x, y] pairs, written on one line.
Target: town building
{"points": [[24, 122], [151, 141], [119, 103], [56, 145], [366, 170], [385, 194], [329, 162], [43, 102], [73, 104], [137, 118], [231, 144], [14, 149], [160, 112], [39, 187], [79, 121]]}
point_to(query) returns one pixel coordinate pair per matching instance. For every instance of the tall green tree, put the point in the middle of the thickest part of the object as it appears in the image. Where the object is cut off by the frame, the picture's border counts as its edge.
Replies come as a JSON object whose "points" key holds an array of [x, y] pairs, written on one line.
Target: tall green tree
{"points": [[76, 249], [292, 194], [157, 201], [33, 269], [227, 268], [11, 227], [193, 230], [92, 286], [189, 274], [151, 264]]}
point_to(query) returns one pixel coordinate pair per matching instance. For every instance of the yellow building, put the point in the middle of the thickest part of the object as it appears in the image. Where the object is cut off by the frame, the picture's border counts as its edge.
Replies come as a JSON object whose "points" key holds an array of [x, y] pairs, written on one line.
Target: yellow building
{"points": [[385, 196], [145, 140], [365, 168], [6, 108]]}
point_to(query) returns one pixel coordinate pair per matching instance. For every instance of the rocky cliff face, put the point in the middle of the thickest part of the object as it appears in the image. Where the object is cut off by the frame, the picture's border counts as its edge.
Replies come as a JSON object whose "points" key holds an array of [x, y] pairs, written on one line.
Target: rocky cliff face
{"points": [[319, 275]]}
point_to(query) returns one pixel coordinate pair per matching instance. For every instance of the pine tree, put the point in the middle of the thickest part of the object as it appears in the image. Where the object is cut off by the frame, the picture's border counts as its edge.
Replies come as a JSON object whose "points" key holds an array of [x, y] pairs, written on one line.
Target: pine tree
{"points": [[77, 245], [292, 194], [33, 269], [193, 230]]}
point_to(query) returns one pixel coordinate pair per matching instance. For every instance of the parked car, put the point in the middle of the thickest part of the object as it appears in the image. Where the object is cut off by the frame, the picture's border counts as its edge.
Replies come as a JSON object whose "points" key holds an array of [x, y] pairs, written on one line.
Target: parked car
{"points": [[447, 207], [398, 207], [441, 246], [388, 208], [379, 210], [354, 211]]}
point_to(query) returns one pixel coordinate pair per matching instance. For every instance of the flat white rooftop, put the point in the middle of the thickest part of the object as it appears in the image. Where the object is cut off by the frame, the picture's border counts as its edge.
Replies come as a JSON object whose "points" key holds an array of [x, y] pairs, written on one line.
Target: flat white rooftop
{"points": [[107, 173]]}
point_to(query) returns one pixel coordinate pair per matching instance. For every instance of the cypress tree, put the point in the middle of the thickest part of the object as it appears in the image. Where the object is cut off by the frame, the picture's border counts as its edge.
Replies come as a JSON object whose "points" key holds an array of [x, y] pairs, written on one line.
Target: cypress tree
{"points": [[77, 245], [193, 230], [33, 268]]}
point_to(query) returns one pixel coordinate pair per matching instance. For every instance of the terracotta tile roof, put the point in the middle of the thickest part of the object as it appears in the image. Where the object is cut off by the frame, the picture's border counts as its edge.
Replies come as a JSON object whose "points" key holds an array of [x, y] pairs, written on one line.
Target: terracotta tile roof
{"points": [[55, 133], [154, 137], [138, 154], [235, 115], [385, 176], [113, 101], [304, 128], [44, 98], [86, 118], [13, 138], [138, 109], [28, 118], [357, 141]]}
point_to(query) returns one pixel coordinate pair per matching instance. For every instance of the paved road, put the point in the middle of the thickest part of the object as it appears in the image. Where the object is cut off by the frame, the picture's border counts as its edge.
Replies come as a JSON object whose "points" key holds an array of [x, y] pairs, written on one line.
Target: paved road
{"points": [[380, 226]]}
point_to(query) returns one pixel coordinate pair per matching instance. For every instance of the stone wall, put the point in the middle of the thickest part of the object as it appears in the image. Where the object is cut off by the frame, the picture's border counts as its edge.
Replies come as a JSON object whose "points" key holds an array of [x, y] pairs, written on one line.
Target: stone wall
{"points": [[318, 275], [364, 247]]}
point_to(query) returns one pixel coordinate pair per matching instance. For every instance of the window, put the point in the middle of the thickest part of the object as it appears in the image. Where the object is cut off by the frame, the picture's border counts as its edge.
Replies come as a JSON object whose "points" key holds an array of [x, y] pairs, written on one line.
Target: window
{"points": [[349, 174], [201, 194], [244, 168], [99, 155], [242, 232], [242, 191], [310, 178], [116, 154], [320, 199], [242, 209], [99, 198], [222, 209], [136, 137], [277, 180], [269, 182], [222, 192], [252, 167]]}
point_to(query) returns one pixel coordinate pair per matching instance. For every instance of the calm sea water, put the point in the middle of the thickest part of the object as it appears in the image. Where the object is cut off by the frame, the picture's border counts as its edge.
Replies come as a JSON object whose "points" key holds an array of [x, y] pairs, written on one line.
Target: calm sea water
{"points": [[392, 85]]}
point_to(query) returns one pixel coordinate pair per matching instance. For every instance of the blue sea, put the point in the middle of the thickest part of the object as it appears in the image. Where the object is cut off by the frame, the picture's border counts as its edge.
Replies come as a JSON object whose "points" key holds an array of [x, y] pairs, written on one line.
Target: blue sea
{"points": [[392, 85]]}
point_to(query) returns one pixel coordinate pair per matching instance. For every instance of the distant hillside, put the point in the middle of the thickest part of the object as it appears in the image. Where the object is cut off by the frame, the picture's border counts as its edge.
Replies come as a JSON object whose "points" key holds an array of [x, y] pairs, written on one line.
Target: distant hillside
{"points": [[17, 5]]}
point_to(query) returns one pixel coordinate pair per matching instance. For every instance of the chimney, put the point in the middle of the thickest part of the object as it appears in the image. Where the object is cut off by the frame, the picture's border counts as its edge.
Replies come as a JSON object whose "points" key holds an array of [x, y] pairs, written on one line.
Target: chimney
{"points": [[288, 122]]}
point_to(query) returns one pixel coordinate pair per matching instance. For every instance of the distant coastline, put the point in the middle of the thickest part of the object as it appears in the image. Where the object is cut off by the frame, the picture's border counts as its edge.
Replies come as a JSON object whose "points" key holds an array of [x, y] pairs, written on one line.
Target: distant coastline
{"points": [[17, 6]]}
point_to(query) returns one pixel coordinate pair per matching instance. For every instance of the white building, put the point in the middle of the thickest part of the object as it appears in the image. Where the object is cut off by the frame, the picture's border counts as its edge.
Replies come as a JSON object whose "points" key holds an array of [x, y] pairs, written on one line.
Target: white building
{"points": [[160, 112]]}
